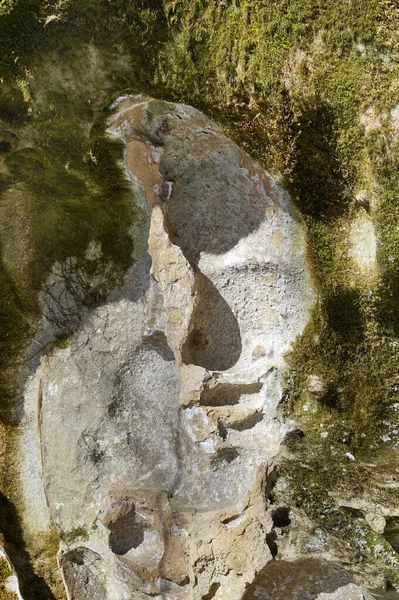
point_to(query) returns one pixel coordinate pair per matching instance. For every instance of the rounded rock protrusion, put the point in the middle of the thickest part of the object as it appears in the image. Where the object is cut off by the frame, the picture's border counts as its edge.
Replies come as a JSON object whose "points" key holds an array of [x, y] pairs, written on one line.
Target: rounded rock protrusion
{"points": [[317, 387], [84, 574]]}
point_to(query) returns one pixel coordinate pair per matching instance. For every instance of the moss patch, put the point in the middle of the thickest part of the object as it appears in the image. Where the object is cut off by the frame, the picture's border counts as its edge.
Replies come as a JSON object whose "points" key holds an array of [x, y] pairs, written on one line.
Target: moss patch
{"points": [[5, 572], [309, 485]]}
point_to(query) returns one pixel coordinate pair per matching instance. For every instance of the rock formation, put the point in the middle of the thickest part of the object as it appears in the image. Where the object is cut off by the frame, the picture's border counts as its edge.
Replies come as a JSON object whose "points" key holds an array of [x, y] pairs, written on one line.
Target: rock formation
{"points": [[199, 390], [151, 432]]}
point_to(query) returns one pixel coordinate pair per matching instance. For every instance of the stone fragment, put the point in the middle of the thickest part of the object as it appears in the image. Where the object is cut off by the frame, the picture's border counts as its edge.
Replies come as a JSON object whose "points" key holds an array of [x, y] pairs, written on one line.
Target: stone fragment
{"points": [[376, 521], [316, 386]]}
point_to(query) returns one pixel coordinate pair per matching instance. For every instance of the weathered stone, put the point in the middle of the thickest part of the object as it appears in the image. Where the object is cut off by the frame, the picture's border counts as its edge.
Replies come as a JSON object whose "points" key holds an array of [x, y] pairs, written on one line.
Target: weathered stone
{"points": [[317, 387], [83, 574], [307, 579], [363, 245], [376, 521], [154, 427], [348, 592]]}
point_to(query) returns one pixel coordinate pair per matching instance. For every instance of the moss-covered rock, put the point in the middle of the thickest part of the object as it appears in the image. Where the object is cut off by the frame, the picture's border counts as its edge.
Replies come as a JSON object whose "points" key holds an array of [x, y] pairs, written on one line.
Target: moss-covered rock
{"points": [[307, 87]]}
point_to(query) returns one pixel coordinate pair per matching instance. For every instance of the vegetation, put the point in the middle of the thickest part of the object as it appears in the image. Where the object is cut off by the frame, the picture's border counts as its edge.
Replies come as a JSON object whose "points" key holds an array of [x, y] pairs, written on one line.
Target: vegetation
{"points": [[307, 485], [5, 572]]}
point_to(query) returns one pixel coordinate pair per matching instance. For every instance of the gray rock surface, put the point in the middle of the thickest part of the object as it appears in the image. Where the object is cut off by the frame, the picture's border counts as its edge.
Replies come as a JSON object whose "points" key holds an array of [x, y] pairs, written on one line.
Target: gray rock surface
{"points": [[151, 431], [307, 579]]}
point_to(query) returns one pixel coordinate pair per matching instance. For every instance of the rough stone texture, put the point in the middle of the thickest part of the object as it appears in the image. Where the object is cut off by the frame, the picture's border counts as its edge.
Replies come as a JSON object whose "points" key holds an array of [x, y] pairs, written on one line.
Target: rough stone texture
{"points": [[152, 430], [348, 592], [304, 580]]}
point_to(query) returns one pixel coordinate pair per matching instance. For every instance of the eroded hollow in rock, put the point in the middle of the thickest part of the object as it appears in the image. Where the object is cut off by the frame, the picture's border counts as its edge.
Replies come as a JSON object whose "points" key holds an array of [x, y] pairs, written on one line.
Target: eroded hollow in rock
{"points": [[281, 517], [271, 542], [126, 533], [223, 219], [226, 394], [156, 340], [271, 481]]}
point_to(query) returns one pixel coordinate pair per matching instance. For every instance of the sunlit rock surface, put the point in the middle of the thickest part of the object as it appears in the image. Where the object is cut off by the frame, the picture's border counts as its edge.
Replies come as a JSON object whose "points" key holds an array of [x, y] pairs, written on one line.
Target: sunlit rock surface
{"points": [[148, 436]]}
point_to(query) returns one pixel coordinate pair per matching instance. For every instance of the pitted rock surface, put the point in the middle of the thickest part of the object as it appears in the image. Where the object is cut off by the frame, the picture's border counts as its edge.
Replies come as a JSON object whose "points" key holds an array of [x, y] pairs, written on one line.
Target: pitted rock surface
{"points": [[155, 425]]}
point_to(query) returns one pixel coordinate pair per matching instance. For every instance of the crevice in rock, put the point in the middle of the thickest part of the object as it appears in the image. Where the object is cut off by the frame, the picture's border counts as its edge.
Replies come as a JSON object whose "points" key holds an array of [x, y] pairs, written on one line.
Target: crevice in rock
{"points": [[230, 519], [214, 341], [212, 591], [222, 429], [281, 519], [391, 532], [227, 394], [271, 480], [271, 542]]}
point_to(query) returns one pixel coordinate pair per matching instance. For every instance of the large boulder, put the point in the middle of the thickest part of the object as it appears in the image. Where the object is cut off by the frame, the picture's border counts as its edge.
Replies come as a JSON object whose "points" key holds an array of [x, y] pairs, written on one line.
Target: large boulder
{"points": [[153, 428]]}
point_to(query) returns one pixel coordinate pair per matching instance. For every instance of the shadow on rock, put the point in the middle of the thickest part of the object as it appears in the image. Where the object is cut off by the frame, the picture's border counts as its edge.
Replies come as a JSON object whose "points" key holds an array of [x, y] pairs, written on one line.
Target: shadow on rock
{"points": [[283, 580], [318, 179], [215, 340], [215, 202], [31, 585]]}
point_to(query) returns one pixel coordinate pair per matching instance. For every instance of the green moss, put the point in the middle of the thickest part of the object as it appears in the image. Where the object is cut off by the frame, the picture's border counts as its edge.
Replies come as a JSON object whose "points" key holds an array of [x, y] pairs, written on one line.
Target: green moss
{"points": [[5, 570], [310, 485], [43, 553], [34, 557], [7, 594], [62, 340], [78, 532]]}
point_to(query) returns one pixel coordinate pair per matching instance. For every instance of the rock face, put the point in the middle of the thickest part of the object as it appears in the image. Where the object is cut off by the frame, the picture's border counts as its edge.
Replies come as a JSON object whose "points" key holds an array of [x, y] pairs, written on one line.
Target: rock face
{"points": [[150, 433], [308, 579]]}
